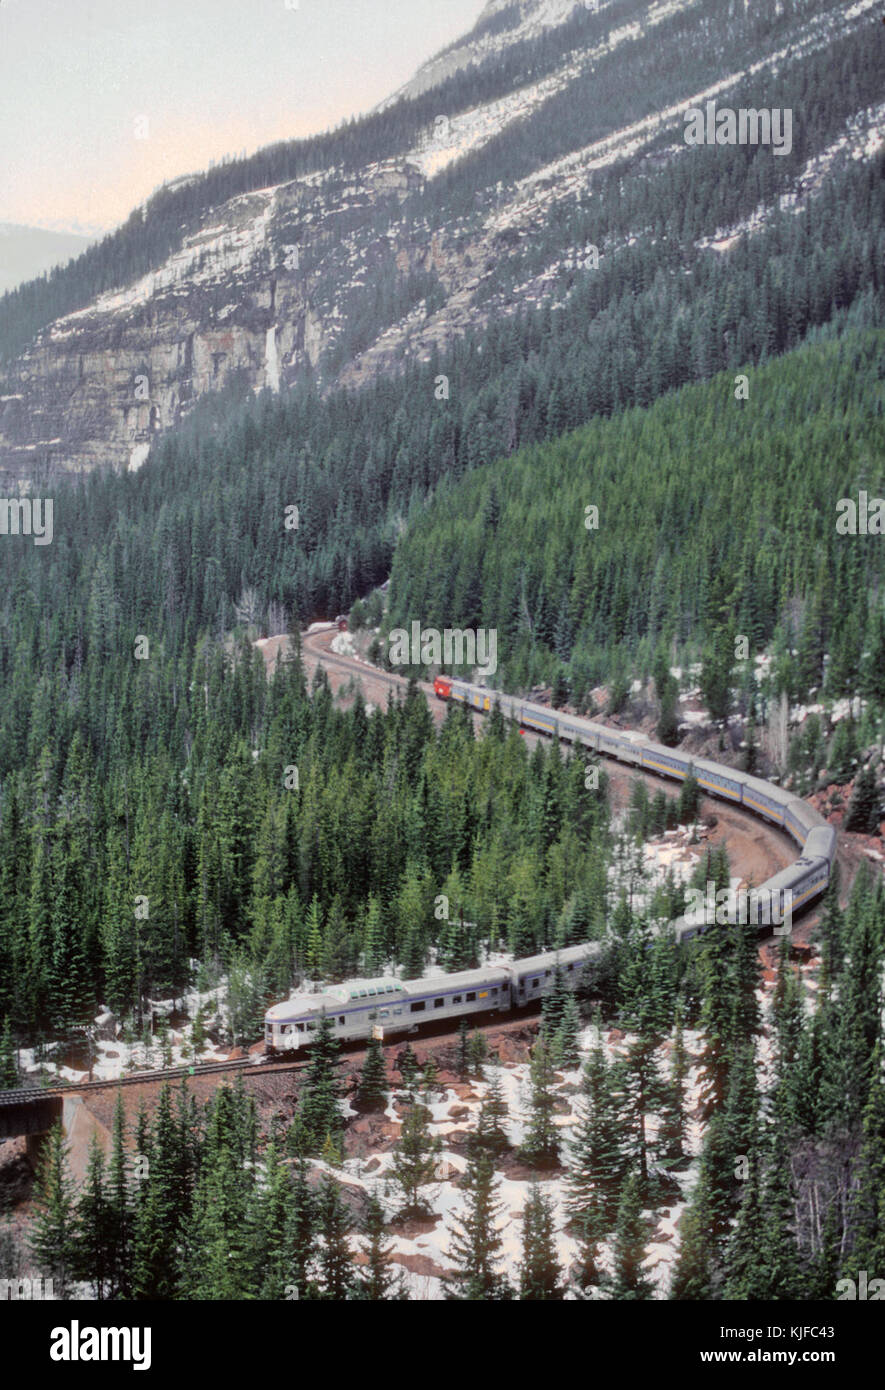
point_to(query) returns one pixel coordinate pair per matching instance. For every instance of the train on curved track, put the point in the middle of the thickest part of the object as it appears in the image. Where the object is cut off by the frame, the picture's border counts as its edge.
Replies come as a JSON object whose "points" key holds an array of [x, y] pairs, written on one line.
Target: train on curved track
{"points": [[358, 1009]]}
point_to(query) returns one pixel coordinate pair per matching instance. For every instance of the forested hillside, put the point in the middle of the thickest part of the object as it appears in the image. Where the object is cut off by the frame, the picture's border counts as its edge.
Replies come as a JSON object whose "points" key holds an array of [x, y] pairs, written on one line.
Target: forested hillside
{"points": [[168, 784], [716, 517]]}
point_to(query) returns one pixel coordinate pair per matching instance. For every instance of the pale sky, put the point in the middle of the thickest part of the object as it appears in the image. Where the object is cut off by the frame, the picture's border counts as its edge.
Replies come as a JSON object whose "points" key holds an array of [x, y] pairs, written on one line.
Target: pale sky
{"points": [[81, 80]]}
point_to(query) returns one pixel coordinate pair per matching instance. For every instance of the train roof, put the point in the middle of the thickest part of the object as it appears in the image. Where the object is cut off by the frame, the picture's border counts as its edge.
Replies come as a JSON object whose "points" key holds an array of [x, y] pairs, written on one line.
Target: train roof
{"points": [[820, 843], [334, 996], [549, 959], [775, 793], [459, 979]]}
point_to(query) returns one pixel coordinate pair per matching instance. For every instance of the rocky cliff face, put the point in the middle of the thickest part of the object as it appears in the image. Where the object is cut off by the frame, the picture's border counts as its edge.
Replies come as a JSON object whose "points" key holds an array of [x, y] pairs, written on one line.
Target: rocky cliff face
{"points": [[238, 297], [345, 275]]}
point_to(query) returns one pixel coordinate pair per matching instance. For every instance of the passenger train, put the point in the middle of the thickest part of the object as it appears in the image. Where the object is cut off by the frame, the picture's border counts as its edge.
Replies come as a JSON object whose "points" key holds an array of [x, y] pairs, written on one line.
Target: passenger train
{"points": [[804, 880], [358, 1009]]}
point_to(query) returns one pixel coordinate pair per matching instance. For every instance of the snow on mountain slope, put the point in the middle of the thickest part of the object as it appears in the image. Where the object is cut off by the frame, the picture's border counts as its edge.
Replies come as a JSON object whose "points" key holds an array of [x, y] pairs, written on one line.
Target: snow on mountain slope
{"points": [[233, 299]]}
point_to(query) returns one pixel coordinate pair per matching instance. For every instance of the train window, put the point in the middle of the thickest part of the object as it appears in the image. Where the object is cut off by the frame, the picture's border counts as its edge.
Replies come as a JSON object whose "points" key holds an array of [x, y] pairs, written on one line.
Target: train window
{"points": [[494, 991], [363, 993], [438, 1003], [418, 1006], [471, 998], [342, 1020], [397, 1013], [373, 1013], [571, 967], [546, 972], [385, 1013], [311, 1027], [456, 999]]}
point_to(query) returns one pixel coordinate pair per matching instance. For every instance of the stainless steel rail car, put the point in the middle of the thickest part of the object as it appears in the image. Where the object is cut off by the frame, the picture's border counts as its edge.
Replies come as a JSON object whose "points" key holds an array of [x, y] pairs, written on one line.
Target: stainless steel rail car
{"points": [[386, 1006], [805, 879]]}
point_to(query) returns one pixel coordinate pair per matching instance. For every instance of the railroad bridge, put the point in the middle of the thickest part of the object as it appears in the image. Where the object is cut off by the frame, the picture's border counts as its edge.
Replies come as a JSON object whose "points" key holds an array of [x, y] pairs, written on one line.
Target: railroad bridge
{"points": [[30, 1114]]}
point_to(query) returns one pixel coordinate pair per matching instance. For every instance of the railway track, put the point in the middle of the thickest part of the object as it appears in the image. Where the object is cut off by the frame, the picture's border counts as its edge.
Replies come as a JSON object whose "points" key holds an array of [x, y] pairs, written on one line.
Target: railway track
{"points": [[69, 1088], [315, 645]]}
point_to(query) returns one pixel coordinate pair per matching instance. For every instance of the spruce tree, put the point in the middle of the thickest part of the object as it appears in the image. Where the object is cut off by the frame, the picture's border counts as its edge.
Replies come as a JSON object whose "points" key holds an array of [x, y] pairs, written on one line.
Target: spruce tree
{"points": [[867, 1202], [119, 1201], [694, 1271], [337, 1278], [490, 1133], [429, 1076], [415, 1158], [298, 1237], [539, 1269], [8, 1067], [93, 1227], [160, 1211], [670, 1141], [746, 1240], [629, 1279], [594, 1176], [863, 808], [567, 1034], [462, 1065], [319, 1113], [379, 1282], [477, 1051], [407, 1065], [53, 1238], [540, 1147], [372, 1091], [475, 1241]]}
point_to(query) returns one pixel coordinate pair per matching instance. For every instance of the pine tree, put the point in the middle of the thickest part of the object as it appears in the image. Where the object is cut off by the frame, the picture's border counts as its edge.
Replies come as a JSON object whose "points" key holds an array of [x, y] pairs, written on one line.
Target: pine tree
{"points": [[319, 1113], [539, 1269], [747, 1238], [638, 1087], [541, 1144], [298, 1239], [379, 1282], [594, 1177], [119, 1200], [53, 1239], [415, 1158], [693, 1277], [268, 1212], [372, 1091], [475, 1241], [552, 1010], [867, 1203], [689, 800], [863, 809], [778, 1265], [8, 1067], [93, 1226], [374, 949], [407, 1065], [477, 1051], [462, 1065], [494, 1112], [337, 1279], [670, 1142], [160, 1211], [629, 1280]]}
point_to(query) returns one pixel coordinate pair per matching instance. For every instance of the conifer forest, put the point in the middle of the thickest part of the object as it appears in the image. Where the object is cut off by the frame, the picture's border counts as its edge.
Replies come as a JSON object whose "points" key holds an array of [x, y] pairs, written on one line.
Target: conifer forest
{"points": [[442, 677]]}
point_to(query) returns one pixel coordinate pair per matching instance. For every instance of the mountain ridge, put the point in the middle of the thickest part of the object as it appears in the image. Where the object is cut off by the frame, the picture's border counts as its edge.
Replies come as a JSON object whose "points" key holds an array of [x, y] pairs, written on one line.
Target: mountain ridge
{"points": [[355, 268]]}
